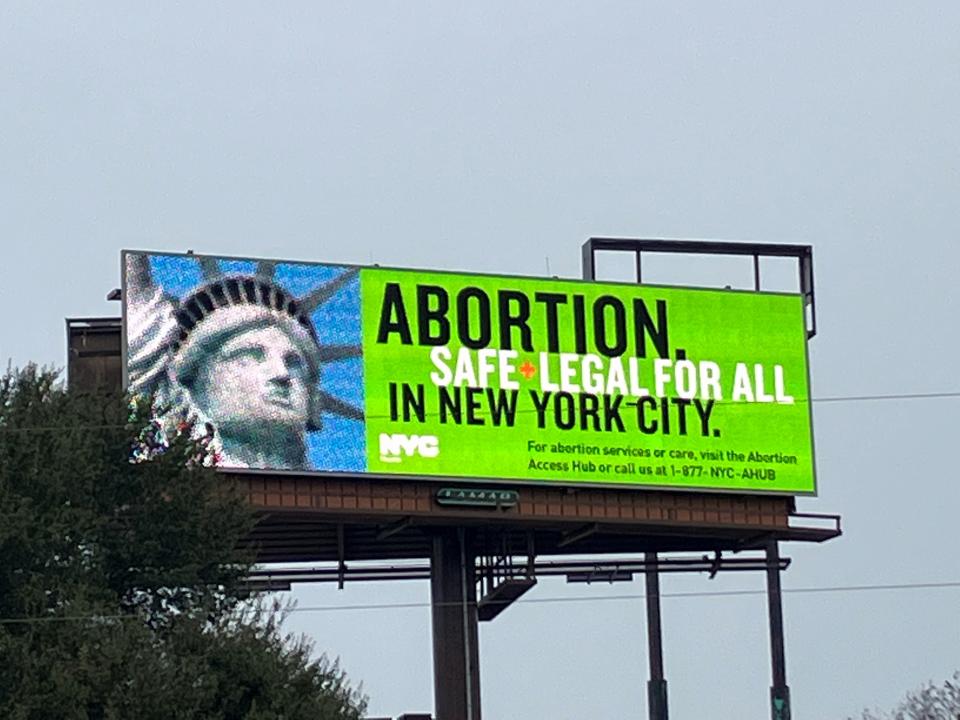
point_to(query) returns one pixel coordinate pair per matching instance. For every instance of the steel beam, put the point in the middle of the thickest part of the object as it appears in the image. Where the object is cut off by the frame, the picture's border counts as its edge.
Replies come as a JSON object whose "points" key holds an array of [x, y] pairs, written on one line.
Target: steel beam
{"points": [[638, 246], [657, 685], [597, 570], [453, 598], [779, 690]]}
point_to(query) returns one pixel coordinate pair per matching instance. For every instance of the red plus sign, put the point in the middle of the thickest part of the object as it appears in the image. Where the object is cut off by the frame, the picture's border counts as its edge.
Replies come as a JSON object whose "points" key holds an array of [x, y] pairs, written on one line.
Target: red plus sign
{"points": [[527, 369]]}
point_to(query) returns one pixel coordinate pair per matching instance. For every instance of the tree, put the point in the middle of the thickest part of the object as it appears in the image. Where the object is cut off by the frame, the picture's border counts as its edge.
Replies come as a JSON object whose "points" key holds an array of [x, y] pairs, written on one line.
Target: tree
{"points": [[930, 702], [121, 583]]}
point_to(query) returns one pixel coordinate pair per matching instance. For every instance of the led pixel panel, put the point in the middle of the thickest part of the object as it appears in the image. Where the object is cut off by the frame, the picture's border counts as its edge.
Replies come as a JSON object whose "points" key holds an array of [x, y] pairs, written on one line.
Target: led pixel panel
{"points": [[265, 357], [307, 367]]}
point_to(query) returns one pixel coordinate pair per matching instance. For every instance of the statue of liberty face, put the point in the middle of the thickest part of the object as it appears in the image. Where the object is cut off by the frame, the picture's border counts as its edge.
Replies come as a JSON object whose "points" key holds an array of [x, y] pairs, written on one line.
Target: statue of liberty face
{"points": [[238, 357], [257, 383]]}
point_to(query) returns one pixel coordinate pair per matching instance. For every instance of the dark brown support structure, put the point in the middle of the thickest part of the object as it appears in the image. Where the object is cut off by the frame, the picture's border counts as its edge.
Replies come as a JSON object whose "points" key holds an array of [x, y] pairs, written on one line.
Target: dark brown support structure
{"points": [[657, 685], [326, 517], [779, 691], [453, 598]]}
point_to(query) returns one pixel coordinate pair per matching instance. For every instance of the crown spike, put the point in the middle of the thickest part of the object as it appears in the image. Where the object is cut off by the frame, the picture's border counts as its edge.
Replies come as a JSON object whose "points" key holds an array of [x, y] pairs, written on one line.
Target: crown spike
{"points": [[334, 405], [266, 269], [209, 268], [315, 299], [140, 281], [334, 353]]}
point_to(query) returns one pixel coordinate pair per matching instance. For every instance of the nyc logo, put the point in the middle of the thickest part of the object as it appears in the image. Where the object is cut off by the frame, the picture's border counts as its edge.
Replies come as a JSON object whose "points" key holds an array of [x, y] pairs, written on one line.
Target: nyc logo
{"points": [[394, 447]]}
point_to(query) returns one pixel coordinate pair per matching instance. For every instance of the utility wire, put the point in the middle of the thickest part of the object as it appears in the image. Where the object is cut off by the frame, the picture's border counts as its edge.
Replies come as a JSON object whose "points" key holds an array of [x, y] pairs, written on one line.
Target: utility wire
{"points": [[828, 399], [640, 596], [535, 601], [901, 396]]}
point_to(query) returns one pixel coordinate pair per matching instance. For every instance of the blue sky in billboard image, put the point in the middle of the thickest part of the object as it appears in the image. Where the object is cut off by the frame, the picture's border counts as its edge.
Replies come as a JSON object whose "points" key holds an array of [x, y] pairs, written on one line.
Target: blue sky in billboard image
{"points": [[339, 443]]}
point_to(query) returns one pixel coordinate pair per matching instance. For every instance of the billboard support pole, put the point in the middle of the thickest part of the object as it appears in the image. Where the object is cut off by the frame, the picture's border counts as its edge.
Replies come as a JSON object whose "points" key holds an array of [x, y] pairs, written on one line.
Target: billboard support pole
{"points": [[453, 600], [779, 690], [657, 685]]}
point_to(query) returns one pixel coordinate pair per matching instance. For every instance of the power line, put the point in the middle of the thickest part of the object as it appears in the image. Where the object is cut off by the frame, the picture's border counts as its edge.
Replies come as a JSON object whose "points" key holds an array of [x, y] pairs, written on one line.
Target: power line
{"points": [[65, 618], [547, 600], [901, 396], [60, 428], [828, 399], [640, 596]]}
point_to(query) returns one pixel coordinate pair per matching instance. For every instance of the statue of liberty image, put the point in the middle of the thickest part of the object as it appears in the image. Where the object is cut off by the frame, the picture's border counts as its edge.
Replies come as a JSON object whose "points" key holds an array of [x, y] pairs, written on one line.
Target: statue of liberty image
{"points": [[238, 358]]}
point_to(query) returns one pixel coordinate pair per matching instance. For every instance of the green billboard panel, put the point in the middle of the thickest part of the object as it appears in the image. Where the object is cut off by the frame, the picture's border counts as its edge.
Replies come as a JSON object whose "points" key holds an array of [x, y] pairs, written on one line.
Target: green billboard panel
{"points": [[325, 368]]}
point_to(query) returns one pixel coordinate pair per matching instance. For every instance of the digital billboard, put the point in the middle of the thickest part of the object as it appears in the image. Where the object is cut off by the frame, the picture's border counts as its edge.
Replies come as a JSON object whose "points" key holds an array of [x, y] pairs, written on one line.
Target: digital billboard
{"points": [[307, 367]]}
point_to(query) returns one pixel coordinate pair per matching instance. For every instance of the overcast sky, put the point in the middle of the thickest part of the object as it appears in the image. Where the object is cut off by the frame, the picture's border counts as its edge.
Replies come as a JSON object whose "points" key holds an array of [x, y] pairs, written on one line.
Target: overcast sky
{"points": [[497, 137]]}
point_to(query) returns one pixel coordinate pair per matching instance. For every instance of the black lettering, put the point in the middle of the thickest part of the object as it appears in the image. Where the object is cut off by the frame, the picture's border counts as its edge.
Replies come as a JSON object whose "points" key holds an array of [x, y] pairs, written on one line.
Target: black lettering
{"points": [[644, 327], [682, 406], [704, 410], [450, 405], [579, 326], [589, 410], [413, 403], [482, 338], [645, 427], [600, 329], [564, 413], [541, 406], [519, 319], [393, 306], [611, 413], [432, 314], [546, 465], [393, 401], [473, 405], [502, 404], [665, 416], [550, 302]]}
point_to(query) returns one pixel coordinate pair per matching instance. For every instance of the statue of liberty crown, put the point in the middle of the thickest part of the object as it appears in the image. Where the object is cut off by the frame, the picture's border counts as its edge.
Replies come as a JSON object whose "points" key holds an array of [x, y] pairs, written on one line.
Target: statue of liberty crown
{"points": [[221, 292]]}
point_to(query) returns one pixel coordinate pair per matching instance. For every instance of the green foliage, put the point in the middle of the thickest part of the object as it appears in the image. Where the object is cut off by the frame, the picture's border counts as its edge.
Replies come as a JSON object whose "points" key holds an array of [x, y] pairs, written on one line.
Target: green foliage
{"points": [[930, 702], [83, 526], [121, 590], [249, 687]]}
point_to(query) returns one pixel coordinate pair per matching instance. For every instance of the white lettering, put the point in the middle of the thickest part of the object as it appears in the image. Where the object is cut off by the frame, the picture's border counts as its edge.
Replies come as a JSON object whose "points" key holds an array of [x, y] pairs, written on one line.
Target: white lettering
{"points": [[616, 381], [710, 381], [763, 397], [439, 356], [742, 389], [485, 362], [568, 372], [507, 369], [778, 386], [545, 384], [686, 379], [636, 389], [393, 447], [661, 375], [464, 375], [591, 370]]}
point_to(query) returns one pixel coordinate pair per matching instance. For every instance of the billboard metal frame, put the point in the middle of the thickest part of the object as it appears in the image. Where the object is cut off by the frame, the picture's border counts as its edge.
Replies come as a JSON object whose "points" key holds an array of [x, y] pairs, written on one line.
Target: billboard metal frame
{"points": [[803, 253], [657, 685], [481, 559]]}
